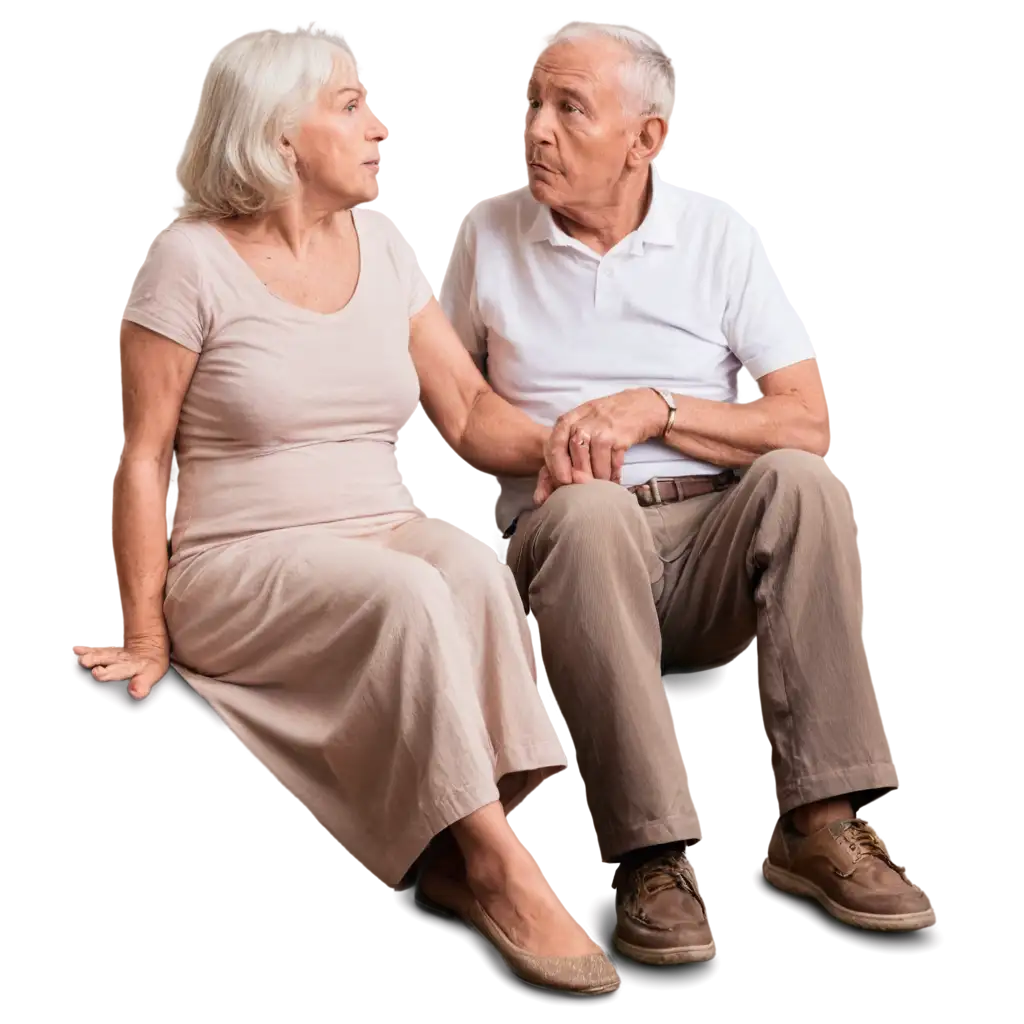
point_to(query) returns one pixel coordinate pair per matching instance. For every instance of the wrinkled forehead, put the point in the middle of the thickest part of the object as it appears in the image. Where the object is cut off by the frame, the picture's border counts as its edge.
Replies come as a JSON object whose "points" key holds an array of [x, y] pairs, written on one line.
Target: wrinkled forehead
{"points": [[588, 65]]}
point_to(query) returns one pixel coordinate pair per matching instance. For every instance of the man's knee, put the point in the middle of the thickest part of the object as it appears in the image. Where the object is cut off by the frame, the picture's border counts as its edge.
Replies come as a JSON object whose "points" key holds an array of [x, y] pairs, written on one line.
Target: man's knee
{"points": [[595, 511], [794, 470]]}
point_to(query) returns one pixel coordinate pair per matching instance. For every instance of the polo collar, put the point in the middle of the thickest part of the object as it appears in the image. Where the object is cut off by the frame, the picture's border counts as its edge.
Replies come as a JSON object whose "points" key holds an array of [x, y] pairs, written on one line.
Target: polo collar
{"points": [[657, 228]]}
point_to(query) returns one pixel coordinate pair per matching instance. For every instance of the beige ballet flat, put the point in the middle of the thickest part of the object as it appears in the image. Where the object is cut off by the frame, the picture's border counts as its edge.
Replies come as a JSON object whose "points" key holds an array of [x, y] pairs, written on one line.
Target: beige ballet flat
{"points": [[593, 974]]}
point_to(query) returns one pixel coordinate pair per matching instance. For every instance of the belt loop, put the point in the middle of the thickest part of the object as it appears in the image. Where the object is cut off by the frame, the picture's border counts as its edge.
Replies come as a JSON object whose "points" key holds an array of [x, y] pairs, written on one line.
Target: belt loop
{"points": [[655, 492]]}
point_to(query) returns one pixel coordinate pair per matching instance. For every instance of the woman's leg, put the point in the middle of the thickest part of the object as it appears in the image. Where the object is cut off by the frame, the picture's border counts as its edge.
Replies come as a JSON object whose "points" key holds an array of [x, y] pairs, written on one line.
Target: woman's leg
{"points": [[506, 881], [443, 857], [497, 638], [480, 857]]}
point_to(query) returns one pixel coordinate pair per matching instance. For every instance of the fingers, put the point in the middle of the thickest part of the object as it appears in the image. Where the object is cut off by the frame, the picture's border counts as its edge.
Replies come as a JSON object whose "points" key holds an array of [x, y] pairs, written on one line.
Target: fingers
{"points": [[143, 675], [123, 668], [618, 461], [90, 656], [601, 457], [84, 646], [545, 488], [144, 681], [557, 457], [579, 454]]}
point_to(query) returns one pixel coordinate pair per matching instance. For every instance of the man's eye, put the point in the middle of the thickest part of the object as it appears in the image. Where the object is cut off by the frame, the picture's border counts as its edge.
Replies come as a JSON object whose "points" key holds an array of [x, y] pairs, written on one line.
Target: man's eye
{"points": [[535, 104], [571, 108]]}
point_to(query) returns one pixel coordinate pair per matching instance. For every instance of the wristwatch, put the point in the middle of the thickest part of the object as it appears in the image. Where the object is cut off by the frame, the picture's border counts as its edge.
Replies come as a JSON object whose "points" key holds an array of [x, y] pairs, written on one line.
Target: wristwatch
{"points": [[671, 403]]}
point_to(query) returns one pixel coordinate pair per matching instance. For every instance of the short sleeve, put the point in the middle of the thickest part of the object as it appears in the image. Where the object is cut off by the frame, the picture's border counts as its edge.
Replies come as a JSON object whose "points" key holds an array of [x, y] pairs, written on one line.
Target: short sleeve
{"points": [[762, 328], [415, 287], [166, 296], [458, 295]]}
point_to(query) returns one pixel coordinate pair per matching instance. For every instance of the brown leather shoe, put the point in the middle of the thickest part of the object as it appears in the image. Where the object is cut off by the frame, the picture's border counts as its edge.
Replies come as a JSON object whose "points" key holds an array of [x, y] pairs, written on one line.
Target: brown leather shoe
{"points": [[661, 916], [846, 868]]}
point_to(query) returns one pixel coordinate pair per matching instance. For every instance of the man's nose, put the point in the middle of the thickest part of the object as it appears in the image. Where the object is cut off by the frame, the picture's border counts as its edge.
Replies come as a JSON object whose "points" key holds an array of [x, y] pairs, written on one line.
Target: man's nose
{"points": [[539, 123]]}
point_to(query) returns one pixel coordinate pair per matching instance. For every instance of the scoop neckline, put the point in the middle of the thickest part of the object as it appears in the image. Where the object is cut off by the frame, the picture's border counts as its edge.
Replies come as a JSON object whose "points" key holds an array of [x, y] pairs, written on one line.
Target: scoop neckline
{"points": [[265, 289]]}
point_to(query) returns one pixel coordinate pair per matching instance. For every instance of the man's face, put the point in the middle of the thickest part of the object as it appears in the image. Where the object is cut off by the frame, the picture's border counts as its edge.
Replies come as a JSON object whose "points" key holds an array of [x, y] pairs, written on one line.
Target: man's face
{"points": [[577, 130]]}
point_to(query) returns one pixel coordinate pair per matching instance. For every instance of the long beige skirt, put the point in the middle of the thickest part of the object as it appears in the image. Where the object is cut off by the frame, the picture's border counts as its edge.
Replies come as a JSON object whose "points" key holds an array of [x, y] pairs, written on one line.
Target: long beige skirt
{"points": [[388, 681]]}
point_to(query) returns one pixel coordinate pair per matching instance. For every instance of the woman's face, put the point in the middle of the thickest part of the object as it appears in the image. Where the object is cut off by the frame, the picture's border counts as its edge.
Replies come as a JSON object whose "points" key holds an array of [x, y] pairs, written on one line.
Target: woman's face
{"points": [[335, 151]]}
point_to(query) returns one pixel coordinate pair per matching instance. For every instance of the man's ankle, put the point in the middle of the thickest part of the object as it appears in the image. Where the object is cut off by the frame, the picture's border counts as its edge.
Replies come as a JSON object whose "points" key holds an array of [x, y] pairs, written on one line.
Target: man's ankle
{"points": [[812, 817], [645, 853]]}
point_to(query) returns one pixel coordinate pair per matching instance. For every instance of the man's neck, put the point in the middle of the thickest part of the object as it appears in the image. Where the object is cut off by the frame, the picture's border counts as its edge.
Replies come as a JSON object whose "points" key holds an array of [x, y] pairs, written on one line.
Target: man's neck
{"points": [[602, 227]]}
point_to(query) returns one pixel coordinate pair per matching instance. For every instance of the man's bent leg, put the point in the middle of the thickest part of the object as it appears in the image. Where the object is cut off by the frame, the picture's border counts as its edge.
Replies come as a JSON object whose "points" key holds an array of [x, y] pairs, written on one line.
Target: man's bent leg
{"points": [[778, 553], [585, 564]]}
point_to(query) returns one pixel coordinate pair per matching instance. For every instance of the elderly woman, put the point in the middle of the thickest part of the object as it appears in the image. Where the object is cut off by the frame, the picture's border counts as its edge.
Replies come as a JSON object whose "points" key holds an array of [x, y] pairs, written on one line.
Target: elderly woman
{"points": [[377, 661]]}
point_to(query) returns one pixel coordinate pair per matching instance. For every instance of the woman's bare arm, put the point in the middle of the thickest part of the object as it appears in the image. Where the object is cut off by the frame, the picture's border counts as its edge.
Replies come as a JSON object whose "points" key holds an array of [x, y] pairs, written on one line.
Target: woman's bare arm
{"points": [[480, 426], [155, 374]]}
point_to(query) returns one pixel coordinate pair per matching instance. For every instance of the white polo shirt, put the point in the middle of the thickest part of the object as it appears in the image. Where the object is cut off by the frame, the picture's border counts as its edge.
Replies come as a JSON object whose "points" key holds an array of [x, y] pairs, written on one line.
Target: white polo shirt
{"points": [[680, 303]]}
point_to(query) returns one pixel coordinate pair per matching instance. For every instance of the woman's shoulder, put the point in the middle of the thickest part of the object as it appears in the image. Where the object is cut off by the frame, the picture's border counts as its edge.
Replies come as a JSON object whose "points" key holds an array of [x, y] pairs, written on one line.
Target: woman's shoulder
{"points": [[387, 228], [179, 246], [373, 223]]}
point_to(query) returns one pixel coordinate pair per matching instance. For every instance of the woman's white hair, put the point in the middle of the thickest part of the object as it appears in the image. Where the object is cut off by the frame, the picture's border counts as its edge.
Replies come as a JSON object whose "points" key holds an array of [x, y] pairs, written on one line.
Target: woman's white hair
{"points": [[257, 88], [648, 73]]}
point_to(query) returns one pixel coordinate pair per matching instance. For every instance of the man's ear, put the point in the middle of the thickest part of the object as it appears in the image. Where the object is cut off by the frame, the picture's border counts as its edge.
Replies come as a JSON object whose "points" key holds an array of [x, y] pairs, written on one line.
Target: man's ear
{"points": [[649, 139]]}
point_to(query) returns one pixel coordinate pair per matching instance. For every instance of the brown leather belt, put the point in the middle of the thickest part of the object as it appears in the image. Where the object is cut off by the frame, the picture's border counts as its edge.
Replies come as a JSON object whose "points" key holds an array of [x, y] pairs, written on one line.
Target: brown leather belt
{"points": [[665, 490]]}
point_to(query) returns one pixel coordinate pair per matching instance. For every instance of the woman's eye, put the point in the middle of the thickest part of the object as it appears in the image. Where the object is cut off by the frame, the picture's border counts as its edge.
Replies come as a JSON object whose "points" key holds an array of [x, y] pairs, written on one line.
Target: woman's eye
{"points": [[535, 104], [352, 105]]}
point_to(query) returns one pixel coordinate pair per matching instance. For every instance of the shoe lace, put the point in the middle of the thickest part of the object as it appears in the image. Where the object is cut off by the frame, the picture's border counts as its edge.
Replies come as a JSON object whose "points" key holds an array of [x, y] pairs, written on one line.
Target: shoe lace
{"points": [[864, 841], [668, 871]]}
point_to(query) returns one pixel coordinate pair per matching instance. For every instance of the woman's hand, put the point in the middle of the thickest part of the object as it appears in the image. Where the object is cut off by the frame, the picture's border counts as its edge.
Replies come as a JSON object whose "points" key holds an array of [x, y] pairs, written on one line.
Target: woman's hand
{"points": [[546, 486], [144, 662]]}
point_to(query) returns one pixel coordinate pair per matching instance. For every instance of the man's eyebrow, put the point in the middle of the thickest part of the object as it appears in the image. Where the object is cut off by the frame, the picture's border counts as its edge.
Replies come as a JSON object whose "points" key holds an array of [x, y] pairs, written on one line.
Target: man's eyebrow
{"points": [[565, 90], [574, 94]]}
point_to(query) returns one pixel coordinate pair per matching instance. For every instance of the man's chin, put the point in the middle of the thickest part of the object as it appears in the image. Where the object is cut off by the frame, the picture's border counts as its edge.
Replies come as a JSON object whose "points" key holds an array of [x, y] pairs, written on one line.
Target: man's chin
{"points": [[541, 190]]}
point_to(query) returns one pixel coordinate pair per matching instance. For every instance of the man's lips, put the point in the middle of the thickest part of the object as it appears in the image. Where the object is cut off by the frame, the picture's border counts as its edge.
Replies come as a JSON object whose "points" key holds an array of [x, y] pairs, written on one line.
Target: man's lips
{"points": [[537, 166]]}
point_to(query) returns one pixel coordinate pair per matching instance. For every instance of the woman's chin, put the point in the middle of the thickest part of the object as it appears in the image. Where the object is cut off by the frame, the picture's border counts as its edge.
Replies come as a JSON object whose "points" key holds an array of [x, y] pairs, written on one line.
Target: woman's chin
{"points": [[368, 191]]}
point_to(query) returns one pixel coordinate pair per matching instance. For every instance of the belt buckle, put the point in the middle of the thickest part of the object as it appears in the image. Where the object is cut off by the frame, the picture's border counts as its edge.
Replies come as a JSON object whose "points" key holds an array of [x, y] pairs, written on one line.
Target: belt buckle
{"points": [[644, 495]]}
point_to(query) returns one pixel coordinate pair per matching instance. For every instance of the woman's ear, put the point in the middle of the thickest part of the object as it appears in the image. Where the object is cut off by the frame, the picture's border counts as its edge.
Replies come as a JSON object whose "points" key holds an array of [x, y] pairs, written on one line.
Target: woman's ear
{"points": [[287, 150]]}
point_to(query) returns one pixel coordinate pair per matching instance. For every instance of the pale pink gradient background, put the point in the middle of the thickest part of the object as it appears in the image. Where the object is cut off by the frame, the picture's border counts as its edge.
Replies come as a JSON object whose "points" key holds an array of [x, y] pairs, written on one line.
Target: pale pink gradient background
{"points": [[145, 871]]}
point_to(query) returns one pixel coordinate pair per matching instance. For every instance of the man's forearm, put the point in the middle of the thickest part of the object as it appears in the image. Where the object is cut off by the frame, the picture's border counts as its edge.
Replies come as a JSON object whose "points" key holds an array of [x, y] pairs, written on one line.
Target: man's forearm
{"points": [[715, 452], [140, 545], [732, 434], [501, 439]]}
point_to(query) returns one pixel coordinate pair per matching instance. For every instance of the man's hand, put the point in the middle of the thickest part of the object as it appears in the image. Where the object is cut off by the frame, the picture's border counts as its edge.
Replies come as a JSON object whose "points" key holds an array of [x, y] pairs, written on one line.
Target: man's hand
{"points": [[590, 441]]}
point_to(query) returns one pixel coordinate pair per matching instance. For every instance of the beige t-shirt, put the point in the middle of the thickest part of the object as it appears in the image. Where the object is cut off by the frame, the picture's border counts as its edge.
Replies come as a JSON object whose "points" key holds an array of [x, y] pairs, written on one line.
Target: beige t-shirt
{"points": [[291, 416]]}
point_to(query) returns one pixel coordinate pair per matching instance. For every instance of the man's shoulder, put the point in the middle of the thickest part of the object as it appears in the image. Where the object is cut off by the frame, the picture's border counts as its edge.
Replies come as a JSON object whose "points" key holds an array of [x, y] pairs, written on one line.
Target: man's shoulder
{"points": [[703, 207]]}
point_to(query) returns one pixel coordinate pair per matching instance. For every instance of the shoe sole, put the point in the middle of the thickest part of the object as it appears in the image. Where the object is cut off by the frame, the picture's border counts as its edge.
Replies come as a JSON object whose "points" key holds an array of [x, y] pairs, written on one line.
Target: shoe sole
{"points": [[664, 957], [798, 886]]}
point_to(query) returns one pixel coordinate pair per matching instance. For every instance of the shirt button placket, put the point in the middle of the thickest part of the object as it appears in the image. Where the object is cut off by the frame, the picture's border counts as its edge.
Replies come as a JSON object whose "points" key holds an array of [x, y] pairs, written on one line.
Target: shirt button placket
{"points": [[604, 292]]}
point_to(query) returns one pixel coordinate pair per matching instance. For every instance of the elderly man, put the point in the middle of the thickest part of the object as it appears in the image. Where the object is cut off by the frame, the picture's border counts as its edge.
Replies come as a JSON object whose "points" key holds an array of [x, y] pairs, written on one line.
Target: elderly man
{"points": [[669, 525]]}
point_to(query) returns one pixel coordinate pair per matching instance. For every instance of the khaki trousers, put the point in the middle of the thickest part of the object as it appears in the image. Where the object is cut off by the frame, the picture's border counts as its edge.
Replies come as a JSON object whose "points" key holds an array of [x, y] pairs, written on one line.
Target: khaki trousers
{"points": [[622, 592]]}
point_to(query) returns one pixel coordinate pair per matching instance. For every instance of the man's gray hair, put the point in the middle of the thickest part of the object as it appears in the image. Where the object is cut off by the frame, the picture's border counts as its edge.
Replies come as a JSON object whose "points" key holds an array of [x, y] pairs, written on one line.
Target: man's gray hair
{"points": [[649, 73], [258, 87]]}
